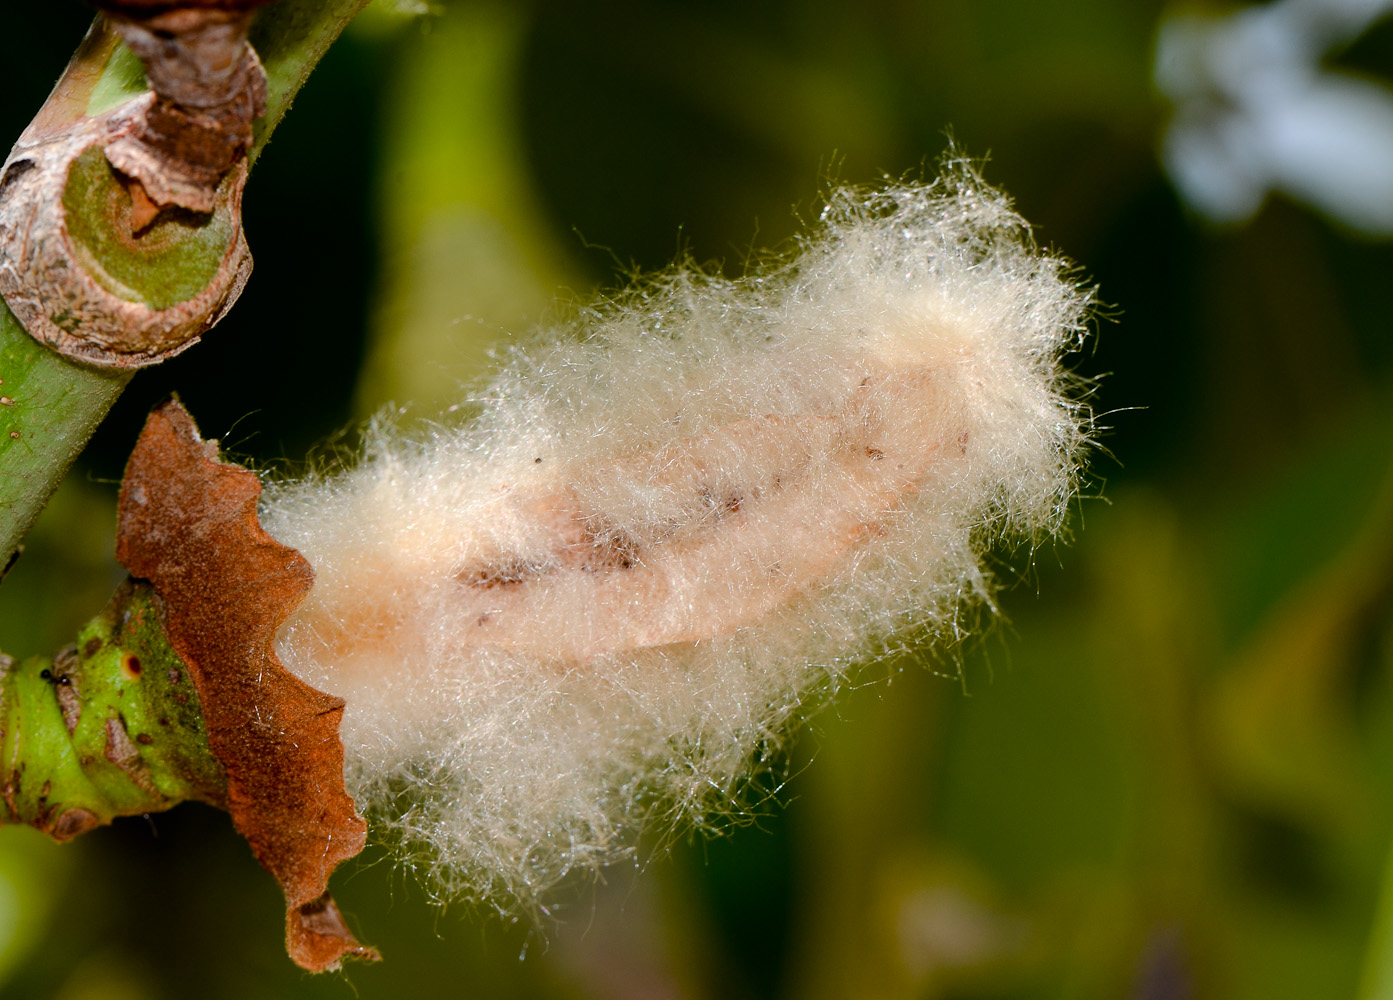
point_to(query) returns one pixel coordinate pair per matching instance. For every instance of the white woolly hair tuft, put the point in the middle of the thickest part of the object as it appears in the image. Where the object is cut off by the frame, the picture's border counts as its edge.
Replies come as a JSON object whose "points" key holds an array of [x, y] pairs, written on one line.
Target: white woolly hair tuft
{"points": [[677, 523]]}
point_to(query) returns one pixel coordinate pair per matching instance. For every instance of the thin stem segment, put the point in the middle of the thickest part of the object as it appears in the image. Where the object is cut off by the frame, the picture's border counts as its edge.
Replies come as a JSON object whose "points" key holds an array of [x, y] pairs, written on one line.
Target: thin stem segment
{"points": [[49, 407]]}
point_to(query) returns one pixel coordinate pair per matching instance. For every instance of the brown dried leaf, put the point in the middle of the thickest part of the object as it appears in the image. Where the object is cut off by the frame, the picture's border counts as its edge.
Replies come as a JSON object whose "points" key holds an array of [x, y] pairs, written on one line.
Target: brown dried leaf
{"points": [[188, 524]]}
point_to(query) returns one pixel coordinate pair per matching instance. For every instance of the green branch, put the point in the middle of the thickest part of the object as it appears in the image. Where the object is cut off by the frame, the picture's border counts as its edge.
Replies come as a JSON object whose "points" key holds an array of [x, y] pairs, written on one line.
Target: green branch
{"points": [[49, 405], [111, 726]]}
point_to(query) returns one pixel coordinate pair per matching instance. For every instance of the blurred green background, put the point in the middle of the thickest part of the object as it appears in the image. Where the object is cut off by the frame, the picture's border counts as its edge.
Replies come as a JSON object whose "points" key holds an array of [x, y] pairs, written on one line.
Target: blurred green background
{"points": [[1166, 772]]}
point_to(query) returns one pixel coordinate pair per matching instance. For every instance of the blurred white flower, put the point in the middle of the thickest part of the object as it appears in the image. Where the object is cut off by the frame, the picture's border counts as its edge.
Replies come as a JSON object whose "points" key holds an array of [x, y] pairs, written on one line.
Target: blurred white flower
{"points": [[1255, 111]]}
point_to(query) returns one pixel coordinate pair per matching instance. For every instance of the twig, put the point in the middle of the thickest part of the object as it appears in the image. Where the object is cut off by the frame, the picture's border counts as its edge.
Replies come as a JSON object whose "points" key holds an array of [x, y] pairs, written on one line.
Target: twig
{"points": [[50, 405]]}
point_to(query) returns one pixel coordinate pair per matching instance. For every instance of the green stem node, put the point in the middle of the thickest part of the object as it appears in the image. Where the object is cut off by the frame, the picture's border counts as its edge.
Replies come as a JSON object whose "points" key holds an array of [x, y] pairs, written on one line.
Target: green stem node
{"points": [[111, 726]]}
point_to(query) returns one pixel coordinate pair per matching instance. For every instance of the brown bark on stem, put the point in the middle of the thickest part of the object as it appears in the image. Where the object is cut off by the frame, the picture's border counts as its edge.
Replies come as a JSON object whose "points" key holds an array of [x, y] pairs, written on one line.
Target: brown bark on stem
{"points": [[209, 88]]}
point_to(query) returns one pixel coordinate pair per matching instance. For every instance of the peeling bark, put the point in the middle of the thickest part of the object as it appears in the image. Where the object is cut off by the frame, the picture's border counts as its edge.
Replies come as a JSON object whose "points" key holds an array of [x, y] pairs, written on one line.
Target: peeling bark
{"points": [[208, 89], [90, 275]]}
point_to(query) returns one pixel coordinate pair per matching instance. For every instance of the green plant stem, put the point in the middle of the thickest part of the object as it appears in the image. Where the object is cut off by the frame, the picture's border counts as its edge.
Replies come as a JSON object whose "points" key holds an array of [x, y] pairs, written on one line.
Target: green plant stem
{"points": [[111, 726], [50, 406], [291, 37], [1376, 981]]}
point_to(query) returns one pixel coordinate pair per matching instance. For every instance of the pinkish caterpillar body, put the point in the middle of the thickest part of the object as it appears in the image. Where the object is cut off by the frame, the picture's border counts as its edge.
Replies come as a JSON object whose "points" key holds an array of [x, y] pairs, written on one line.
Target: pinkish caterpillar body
{"points": [[609, 594]]}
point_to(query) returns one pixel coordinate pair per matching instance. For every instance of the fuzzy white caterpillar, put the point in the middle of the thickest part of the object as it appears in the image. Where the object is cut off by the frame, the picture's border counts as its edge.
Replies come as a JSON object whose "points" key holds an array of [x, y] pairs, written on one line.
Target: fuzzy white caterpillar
{"points": [[670, 528]]}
